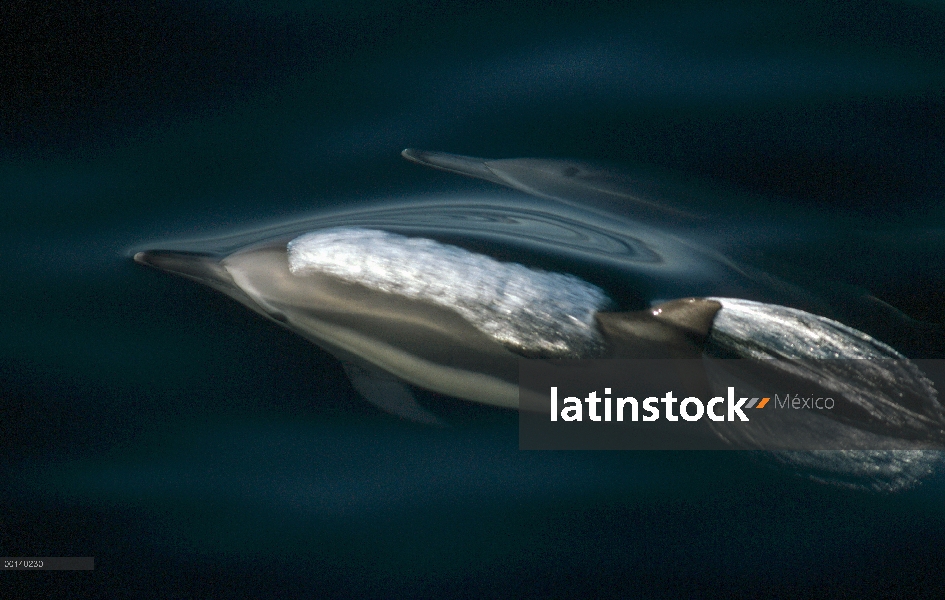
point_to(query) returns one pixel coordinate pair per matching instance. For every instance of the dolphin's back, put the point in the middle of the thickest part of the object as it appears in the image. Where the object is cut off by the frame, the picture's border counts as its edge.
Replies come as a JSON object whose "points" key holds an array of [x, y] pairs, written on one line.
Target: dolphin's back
{"points": [[422, 343]]}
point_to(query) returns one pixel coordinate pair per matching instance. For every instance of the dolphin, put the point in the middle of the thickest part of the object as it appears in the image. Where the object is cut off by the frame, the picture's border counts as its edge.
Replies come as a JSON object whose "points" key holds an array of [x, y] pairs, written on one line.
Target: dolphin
{"points": [[408, 308], [407, 295], [460, 331]]}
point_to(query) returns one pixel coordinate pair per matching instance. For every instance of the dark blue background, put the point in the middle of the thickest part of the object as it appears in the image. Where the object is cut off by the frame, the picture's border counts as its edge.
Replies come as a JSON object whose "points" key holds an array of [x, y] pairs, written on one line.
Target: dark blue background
{"points": [[196, 450]]}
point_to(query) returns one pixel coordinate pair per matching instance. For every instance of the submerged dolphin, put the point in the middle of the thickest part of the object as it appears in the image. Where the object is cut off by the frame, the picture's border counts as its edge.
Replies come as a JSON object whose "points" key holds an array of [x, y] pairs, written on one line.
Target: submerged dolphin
{"points": [[705, 220], [413, 310]]}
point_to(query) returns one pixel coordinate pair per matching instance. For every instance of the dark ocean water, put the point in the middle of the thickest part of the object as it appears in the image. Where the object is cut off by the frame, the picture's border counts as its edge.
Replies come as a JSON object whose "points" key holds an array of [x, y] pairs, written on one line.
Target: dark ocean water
{"points": [[196, 450]]}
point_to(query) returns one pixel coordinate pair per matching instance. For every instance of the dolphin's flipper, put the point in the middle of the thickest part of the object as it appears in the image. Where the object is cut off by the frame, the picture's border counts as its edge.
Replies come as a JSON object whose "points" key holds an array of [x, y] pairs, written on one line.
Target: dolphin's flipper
{"points": [[388, 393], [567, 181]]}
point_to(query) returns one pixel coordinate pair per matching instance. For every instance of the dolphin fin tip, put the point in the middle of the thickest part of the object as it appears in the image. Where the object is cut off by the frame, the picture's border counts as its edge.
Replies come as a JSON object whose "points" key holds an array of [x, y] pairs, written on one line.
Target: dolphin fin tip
{"points": [[694, 315]]}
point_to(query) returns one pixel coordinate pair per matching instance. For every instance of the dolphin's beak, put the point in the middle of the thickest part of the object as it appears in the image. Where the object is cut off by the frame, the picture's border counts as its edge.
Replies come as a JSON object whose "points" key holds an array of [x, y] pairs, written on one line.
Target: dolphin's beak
{"points": [[205, 268], [454, 163], [202, 268]]}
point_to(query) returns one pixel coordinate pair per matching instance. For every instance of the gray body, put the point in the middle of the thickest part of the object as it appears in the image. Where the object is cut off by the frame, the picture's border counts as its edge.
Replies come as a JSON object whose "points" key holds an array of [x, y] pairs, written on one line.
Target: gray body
{"points": [[384, 338]]}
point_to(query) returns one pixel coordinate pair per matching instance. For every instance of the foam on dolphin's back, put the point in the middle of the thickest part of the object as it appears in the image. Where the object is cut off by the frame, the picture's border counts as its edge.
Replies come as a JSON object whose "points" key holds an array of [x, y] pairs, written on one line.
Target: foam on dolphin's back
{"points": [[829, 354], [759, 330], [533, 312], [893, 397]]}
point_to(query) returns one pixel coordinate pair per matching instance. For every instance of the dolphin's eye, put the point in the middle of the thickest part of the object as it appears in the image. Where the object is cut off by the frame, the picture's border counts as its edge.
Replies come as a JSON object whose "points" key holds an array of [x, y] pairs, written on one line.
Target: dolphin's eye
{"points": [[570, 171]]}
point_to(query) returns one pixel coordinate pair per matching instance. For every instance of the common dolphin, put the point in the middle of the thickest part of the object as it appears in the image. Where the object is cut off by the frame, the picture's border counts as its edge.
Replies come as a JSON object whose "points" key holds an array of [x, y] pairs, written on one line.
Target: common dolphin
{"points": [[394, 309], [400, 305]]}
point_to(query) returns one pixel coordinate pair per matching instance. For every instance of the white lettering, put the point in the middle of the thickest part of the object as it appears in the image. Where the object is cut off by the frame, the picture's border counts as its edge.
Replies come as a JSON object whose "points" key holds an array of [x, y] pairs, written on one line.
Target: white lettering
{"points": [[634, 415], [711, 410], [592, 402], [648, 407], [700, 410], [574, 412], [668, 400], [735, 408]]}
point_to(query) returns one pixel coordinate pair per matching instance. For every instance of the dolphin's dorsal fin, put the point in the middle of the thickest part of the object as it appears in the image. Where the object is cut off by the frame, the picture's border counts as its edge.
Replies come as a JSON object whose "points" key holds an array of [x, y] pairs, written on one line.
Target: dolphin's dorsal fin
{"points": [[388, 393], [692, 315], [674, 329]]}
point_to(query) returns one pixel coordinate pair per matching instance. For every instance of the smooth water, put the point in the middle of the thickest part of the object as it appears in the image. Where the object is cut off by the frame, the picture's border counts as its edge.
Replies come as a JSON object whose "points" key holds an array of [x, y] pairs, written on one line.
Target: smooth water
{"points": [[196, 449]]}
